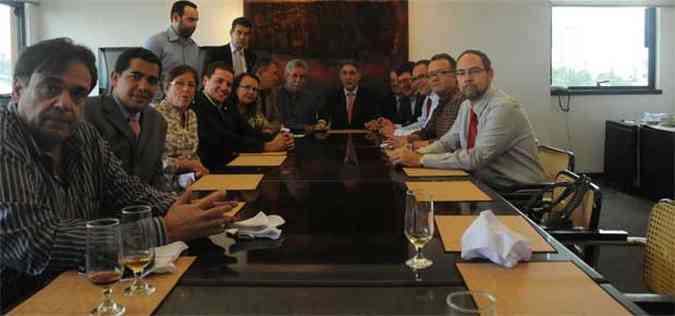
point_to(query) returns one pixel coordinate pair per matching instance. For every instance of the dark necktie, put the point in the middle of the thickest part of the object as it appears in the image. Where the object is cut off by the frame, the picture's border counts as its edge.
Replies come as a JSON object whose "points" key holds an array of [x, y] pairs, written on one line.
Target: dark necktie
{"points": [[473, 129]]}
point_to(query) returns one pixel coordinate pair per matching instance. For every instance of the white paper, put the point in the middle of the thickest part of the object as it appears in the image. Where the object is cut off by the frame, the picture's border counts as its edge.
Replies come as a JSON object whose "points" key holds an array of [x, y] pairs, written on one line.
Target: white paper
{"points": [[488, 238], [185, 179]]}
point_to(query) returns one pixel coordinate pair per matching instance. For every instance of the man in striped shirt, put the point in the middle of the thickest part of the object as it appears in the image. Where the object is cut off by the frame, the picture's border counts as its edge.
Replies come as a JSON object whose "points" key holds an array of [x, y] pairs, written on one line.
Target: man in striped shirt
{"points": [[58, 173]]}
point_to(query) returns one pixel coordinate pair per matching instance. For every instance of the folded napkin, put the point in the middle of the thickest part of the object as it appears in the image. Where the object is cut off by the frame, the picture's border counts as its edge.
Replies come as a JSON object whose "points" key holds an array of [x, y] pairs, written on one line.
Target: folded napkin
{"points": [[166, 255], [259, 226], [488, 238]]}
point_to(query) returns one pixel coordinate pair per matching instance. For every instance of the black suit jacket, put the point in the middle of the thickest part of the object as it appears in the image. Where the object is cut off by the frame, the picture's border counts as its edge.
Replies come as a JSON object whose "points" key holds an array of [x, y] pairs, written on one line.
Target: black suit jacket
{"points": [[224, 54], [142, 157], [335, 108], [403, 116], [223, 133]]}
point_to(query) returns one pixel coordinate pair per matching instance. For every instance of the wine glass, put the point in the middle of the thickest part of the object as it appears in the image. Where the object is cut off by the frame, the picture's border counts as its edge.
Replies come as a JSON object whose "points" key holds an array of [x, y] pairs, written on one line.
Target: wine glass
{"points": [[419, 225], [471, 303], [137, 247], [103, 262]]}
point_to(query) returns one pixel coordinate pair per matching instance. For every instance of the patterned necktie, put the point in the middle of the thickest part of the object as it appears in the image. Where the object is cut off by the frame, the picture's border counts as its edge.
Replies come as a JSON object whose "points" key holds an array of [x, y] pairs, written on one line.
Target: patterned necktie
{"points": [[239, 64], [428, 107], [350, 105], [473, 129], [135, 125]]}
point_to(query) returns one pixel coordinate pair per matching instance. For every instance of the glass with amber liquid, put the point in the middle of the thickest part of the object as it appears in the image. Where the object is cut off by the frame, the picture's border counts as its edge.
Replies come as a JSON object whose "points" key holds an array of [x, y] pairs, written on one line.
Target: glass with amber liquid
{"points": [[103, 262], [137, 247], [419, 225]]}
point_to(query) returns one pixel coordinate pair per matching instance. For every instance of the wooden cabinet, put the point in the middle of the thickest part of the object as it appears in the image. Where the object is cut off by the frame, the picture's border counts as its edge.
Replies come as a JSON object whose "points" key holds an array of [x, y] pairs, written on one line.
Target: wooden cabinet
{"points": [[657, 163], [640, 157]]}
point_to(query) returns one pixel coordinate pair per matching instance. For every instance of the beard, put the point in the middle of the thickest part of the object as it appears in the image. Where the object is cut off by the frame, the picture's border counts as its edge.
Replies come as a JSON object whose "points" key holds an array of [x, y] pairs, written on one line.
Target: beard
{"points": [[184, 31], [53, 127], [472, 92]]}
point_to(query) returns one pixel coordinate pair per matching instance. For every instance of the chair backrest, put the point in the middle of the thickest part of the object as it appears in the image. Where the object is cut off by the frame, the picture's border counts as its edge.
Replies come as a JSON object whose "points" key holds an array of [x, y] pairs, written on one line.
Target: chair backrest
{"points": [[554, 160], [659, 263], [587, 214]]}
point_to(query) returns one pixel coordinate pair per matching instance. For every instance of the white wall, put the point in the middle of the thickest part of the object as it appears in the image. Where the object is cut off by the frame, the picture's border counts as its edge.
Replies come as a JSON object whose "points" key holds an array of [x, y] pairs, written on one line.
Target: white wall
{"points": [[516, 35]]}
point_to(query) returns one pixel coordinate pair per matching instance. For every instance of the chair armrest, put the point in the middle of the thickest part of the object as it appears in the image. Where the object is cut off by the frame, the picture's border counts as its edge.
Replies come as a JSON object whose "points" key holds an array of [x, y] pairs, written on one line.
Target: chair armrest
{"points": [[589, 237], [654, 304]]}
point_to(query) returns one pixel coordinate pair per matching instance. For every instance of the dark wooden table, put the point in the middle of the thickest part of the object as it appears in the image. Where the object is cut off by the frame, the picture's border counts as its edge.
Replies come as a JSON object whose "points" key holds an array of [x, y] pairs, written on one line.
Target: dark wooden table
{"points": [[342, 250]]}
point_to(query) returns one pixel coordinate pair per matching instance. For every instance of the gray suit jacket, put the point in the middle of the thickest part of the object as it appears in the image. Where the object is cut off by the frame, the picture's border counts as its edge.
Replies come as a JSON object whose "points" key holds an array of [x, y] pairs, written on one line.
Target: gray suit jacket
{"points": [[142, 158]]}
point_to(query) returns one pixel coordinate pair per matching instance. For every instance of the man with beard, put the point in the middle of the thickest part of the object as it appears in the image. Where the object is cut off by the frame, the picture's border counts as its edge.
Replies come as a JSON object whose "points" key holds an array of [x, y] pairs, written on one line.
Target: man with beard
{"points": [[268, 71], [236, 53], [492, 136], [175, 46], [136, 132], [58, 173]]}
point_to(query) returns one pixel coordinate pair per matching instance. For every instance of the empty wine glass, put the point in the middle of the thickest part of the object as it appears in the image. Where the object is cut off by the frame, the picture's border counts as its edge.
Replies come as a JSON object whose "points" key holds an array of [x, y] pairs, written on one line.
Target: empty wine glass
{"points": [[137, 247], [103, 262], [419, 225], [471, 303]]}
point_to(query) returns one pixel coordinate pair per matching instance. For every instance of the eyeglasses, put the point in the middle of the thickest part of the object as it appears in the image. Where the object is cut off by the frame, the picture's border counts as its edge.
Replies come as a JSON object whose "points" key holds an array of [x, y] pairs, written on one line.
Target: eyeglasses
{"points": [[181, 84], [420, 77], [437, 73], [249, 88], [471, 72]]}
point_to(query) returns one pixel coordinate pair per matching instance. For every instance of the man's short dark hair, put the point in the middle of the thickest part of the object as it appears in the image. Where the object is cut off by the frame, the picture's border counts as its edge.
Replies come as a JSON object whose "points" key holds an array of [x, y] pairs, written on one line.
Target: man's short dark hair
{"points": [[405, 67], [54, 56], [422, 62], [445, 56], [178, 7], [212, 67], [262, 63], [241, 21], [349, 62], [487, 64], [146, 55]]}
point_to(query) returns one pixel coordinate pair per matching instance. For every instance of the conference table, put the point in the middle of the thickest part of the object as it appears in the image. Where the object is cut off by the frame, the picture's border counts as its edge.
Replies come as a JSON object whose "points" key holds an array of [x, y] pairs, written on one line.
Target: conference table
{"points": [[342, 250]]}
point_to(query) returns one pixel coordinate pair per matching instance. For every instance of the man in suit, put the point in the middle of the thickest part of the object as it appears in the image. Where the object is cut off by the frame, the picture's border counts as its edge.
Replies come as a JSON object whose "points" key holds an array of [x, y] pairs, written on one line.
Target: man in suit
{"points": [[400, 108], [351, 106], [222, 131], [134, 130], [236, 53]]}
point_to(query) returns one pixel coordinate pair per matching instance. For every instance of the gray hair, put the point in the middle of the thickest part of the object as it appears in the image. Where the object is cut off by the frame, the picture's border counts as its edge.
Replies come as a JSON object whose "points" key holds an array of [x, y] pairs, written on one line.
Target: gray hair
{"points": [[294, 63]]}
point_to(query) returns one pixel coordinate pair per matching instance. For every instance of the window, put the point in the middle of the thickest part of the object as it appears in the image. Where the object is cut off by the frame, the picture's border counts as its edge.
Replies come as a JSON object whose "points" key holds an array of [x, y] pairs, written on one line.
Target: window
{"points": [[603, 49], [11, 40]]}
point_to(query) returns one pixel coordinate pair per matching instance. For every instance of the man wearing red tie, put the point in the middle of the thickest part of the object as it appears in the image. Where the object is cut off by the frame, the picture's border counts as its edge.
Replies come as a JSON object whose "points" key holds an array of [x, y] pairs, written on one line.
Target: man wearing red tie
{"points": [[492, 137], [351, 106]]}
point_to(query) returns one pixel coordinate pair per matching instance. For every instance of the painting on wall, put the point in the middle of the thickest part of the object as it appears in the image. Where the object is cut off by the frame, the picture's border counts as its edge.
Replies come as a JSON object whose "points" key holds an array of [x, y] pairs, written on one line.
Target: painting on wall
{"points": [[372, 32]]}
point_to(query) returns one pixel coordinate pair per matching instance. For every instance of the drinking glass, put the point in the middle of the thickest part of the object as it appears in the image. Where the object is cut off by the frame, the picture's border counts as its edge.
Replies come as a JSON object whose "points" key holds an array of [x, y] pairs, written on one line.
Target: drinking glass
{"points": [[419, 225], [471, 303], [103, 262], [137, 247]]}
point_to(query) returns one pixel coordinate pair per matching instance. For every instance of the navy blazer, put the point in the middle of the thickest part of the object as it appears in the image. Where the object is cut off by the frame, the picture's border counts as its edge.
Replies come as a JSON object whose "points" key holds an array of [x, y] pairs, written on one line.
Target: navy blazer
{"points": [[335, 109], [140, 157], [403, 116], [224, 54]]}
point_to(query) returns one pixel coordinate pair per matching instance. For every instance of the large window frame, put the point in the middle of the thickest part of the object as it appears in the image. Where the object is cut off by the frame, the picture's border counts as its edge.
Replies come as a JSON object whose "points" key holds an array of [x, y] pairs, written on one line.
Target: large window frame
{"points": [[650, 43], [18, 9]]}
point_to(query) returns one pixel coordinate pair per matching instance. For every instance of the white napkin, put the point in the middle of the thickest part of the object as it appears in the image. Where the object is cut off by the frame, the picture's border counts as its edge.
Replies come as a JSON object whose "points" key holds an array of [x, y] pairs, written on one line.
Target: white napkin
{"points": [[166, 255], [488, 238], [259, 226]]}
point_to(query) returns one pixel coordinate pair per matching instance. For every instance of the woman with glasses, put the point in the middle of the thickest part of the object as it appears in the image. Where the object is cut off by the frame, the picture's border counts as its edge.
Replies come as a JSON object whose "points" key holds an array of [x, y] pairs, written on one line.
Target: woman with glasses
{"points": [[180, 159], [245, 94]]}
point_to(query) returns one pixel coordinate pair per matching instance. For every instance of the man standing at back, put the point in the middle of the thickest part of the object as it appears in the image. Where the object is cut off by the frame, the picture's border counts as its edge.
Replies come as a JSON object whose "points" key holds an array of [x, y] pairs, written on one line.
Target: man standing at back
{"points": [[175, 46], [235, 53], [135, 131]]}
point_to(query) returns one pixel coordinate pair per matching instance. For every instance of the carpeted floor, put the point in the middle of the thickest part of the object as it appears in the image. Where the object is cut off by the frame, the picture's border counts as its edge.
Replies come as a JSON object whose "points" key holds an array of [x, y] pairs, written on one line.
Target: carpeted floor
{"points": [[623, 265]]}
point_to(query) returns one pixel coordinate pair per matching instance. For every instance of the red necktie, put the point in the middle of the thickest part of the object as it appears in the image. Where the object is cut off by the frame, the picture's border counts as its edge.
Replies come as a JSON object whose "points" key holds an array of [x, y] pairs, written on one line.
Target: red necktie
{"points": [[473, 129], [135, 125], [350, 106]]}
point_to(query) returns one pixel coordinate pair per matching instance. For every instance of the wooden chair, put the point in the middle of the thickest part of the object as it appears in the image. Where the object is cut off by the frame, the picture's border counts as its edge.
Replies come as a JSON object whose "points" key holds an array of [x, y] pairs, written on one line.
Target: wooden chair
{"points": [[554, 160], [659, 260]]}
